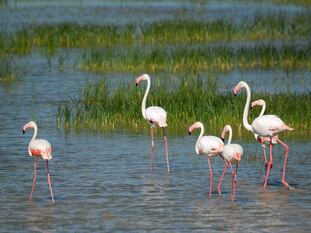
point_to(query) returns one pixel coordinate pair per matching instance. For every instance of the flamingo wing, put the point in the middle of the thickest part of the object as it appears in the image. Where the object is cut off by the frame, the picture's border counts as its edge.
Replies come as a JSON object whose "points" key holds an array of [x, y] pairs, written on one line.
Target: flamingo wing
{"points": [[156, 116], [268, 125], [208, 144], [232, 153], [40, 147]]}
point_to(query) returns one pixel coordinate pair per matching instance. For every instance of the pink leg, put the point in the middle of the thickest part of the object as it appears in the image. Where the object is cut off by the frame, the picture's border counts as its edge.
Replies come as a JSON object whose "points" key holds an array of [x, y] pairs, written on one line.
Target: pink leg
{"points": [[49, 180], [285, 160], [152, 143], [233, 182], [265, 158], [34, 179], [220, 181], [269, 166], [166, 151], [210, 176]]}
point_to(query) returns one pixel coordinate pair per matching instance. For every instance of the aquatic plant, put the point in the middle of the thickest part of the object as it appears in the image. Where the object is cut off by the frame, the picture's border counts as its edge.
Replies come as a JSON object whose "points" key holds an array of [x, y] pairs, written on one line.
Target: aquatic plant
{"points": [[274, 26], [199, 58], [191, 99], [8, 72]]}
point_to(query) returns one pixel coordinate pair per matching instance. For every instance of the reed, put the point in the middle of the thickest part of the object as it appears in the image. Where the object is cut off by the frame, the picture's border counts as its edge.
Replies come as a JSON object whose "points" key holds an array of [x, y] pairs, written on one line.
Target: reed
{"points": [[195, 59], [192, 99]]}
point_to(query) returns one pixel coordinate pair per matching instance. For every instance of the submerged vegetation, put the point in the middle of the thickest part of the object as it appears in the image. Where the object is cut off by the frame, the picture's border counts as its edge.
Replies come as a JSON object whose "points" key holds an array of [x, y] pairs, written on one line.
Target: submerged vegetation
{"points": [[191, 100]]}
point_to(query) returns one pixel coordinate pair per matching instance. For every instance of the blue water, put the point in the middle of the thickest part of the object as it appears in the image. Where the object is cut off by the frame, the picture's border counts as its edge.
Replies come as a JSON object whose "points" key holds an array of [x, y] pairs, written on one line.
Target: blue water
{"points": [[104, 183]]}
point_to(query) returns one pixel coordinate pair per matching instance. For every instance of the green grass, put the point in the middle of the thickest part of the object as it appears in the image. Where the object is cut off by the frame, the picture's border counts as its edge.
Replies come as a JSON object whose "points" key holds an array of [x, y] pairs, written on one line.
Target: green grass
{"points": [[8, 73], [193, 99], [195, 59], [277, 26]]}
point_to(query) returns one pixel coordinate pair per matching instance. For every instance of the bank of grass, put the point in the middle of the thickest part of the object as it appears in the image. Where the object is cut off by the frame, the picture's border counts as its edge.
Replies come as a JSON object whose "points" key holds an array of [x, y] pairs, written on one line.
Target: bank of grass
{"points": [[192, 100], [195, 59], [277, 26]]}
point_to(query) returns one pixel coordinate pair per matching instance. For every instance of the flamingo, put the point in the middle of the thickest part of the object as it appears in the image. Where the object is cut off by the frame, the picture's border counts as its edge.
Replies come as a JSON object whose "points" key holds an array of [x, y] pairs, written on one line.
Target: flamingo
{"points": [[156, 116], [232, 154], [262, 140], [209, 146], [39, 148], [265, 126]]}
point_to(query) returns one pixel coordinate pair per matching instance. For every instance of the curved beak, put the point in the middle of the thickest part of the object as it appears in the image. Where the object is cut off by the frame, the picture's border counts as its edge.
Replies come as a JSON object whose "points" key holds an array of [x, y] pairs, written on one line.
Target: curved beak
{"points": [[136, 84], [189, 132], [23, 131], [223, 139]]}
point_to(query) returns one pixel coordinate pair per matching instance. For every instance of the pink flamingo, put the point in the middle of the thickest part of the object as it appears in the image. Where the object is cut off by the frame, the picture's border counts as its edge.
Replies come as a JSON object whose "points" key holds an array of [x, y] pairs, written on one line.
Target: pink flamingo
{"points": [[155, 116], [265, 126], [39, 148], [263, 140], [232, 154], [207, 145]]}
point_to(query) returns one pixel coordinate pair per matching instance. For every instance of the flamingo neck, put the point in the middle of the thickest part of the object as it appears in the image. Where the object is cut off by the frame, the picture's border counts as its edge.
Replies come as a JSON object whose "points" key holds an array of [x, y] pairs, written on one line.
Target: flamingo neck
{"points": [[35, 131], [263, 109], [143, 104], [199, 125], [230, 136], [246, 109]]}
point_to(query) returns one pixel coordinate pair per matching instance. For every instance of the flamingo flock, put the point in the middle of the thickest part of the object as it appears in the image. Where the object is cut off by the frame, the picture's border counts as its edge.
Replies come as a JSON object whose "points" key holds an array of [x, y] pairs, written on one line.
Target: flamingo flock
{"points": [[265, 129]]}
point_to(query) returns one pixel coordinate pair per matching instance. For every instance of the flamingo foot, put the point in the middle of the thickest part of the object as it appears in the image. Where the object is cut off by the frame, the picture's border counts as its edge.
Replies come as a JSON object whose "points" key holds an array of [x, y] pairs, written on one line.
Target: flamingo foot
{"points": [[219, 192], [287, 185]]}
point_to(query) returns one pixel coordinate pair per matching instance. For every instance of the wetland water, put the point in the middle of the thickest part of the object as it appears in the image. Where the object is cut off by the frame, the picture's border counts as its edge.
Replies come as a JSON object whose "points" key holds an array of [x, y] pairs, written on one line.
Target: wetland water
{"points": [[103, 182]]}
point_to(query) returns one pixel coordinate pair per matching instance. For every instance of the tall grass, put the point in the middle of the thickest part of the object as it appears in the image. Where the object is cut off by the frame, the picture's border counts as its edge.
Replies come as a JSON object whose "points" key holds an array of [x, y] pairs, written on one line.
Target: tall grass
{"points": [[276, 26], [191, 100], [194, 59]]}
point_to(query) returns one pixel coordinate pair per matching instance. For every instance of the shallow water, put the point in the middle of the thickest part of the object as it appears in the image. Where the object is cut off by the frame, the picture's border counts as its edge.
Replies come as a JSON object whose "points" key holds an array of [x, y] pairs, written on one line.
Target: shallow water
{"points": [[104, 182], [22, 14]]}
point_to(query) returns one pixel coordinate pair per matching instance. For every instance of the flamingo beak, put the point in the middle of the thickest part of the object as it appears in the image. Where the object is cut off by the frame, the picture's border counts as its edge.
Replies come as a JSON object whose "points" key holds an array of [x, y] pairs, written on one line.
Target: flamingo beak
{"points": [[189, 132], [223, 139], [23, 131], [136, 84]]}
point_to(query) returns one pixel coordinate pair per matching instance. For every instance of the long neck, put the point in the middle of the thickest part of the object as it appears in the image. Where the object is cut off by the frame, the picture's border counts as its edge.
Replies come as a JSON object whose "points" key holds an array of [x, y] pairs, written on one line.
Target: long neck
{"points": [[143, 104], [263, 109], [246, 110], [201, 134], [35, 131], [230, 136]]}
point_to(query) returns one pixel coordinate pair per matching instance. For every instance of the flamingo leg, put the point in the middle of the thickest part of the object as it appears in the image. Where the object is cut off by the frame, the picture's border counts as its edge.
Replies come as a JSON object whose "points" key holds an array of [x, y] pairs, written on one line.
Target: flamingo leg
{"points": [[49, 180], [233, 182], [152, 142], [265, 158], [34, 179], [269, 165], [220, 181], [166, 151], [285, 160], [210, 176]]}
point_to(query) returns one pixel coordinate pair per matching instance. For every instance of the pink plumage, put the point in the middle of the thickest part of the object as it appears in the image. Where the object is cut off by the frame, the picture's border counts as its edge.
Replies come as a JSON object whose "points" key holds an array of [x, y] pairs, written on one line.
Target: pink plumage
{"points": [[39, 148], [265, 126], [207, 145], [156, 116]]}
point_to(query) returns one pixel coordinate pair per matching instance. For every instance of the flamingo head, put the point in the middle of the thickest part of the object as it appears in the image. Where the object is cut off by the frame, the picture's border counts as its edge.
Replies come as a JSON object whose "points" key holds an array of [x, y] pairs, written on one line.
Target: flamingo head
{"points": [[141, 78], [259, 102], [239, 86], [30, 124], [226, 129], [194, 126]]}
